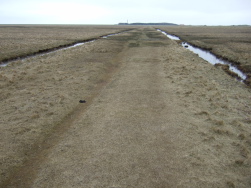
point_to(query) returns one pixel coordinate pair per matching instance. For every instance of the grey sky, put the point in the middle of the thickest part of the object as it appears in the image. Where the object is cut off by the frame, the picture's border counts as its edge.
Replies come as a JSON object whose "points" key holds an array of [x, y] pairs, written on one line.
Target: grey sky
{"points": [[194, 12]]}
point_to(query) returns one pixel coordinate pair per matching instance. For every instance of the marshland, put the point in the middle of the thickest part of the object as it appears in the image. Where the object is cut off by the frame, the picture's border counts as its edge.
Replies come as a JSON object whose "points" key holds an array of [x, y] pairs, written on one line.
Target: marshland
{"points": [[155, 114], [230, 43]]}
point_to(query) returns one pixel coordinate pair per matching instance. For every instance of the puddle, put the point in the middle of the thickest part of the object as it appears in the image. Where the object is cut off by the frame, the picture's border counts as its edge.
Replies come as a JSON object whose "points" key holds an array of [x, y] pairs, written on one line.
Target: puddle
{"points": [[49, 51], [208, 56]]}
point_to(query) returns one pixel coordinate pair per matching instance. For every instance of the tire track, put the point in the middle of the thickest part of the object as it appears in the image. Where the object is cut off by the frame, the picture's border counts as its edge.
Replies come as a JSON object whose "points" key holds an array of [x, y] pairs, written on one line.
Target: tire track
{"points": [[23, 176]]}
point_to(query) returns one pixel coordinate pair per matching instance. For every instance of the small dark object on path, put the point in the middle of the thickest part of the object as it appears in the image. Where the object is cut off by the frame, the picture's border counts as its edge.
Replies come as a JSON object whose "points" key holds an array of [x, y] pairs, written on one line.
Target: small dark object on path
{"points": [[186, 46], [82, 101]]}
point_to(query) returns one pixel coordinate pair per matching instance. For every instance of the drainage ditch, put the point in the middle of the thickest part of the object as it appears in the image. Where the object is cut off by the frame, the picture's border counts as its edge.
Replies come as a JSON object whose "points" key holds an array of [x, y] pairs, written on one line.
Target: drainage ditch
{"points": [[54, 49], [209, 57]]}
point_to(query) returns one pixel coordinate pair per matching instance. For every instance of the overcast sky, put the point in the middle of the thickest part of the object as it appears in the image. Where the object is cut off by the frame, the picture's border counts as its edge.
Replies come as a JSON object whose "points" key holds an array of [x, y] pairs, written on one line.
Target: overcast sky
{"points": [[189, 12]]}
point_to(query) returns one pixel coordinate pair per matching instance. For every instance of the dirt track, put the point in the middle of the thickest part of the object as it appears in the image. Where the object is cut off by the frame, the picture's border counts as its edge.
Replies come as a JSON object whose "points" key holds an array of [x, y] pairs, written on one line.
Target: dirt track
{"points": [[161, 118]]}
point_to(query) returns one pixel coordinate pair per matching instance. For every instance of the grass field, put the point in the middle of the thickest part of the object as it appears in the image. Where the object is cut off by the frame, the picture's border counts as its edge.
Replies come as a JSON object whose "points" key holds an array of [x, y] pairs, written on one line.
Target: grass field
{"points": [[156, 115], [230, 42], [21, 40], [36, 94]]}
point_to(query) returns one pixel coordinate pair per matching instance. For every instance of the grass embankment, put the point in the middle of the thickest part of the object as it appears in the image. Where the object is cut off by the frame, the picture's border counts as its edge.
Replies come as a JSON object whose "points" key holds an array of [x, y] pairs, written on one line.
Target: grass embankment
{"points": [[228, 42], [23, 40]]}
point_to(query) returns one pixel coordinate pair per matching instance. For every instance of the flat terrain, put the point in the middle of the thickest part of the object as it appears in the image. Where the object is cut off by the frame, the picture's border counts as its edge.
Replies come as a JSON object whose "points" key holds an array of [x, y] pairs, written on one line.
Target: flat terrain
{"points": [[21, 40], [156, 115], [230, 42]]}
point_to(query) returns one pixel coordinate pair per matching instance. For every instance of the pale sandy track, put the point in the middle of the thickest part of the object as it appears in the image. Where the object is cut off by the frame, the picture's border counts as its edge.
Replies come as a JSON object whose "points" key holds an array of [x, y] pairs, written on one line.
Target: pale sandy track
{"points": [[163, 119]]}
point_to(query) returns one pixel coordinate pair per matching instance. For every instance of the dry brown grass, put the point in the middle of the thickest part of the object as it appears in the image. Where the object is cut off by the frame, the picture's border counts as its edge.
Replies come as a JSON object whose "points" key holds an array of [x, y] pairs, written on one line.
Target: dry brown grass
{"points": [[230, 42], [19, 40], [165, 119], [37, 93]]}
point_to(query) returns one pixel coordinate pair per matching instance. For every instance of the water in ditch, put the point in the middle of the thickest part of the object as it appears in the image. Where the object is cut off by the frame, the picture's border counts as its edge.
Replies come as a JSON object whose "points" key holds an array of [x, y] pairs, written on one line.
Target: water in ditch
{"points": [[208, 56], [57, 49]]}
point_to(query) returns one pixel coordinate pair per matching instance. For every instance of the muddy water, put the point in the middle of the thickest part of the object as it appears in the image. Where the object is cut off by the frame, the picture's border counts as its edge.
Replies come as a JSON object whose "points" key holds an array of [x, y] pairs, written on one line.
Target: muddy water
{"points": [[208, 56]]}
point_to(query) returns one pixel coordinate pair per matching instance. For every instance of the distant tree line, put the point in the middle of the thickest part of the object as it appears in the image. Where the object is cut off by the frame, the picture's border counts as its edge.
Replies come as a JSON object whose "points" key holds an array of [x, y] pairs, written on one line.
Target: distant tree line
{"points": [[147, 24]]}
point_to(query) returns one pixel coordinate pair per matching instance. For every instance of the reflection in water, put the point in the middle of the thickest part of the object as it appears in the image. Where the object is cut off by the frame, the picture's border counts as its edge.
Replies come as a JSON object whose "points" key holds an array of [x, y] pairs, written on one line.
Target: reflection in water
{"points": [[169, 36], [206, 55], [211, 58]]}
